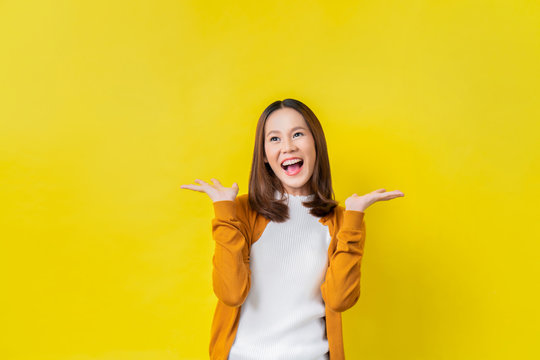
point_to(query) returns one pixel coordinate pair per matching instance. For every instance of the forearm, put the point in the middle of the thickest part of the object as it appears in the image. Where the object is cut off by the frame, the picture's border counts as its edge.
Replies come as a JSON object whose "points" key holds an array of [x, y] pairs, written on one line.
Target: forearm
{"points": [[230, 274], [341, 288]]}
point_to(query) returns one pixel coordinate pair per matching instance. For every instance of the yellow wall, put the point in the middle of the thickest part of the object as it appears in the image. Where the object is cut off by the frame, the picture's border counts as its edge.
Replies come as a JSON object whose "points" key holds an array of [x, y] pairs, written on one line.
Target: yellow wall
{"points": [[106, 108]]}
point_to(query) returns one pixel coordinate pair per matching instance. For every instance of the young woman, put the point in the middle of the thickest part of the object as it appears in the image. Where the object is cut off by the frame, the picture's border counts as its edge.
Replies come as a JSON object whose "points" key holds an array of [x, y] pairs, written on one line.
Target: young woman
{"points": [[287, 256]]}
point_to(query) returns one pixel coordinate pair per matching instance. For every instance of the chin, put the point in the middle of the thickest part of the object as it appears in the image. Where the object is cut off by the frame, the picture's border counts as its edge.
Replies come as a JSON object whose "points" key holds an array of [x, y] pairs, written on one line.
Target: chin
{"points": [[298, 185]]}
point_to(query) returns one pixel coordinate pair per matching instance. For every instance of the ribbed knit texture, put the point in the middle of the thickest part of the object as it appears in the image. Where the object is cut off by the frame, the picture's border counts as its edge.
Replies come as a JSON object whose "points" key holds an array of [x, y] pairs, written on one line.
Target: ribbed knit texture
{"points": [[282, 317]]}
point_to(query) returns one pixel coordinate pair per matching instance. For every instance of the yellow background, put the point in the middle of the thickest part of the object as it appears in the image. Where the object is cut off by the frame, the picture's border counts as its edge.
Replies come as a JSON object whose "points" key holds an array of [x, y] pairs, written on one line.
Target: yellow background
{"points": [[107, 107]]}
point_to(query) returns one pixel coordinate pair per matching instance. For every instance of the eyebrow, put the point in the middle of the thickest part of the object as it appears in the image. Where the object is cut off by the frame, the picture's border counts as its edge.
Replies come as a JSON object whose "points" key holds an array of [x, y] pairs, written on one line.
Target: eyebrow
{"points": [[294, 128]]}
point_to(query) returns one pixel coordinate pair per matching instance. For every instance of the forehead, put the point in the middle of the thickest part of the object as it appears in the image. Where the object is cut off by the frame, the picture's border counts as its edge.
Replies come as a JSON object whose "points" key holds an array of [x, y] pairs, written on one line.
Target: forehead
{"points": [[283, 120]]}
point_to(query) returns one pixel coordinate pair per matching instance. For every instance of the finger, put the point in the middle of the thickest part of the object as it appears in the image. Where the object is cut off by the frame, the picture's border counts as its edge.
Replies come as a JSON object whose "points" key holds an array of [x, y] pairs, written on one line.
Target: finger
{"points": [[188, 185], [192, 187], [393, 195], [235, 185], [216, 181], [204, 185]]}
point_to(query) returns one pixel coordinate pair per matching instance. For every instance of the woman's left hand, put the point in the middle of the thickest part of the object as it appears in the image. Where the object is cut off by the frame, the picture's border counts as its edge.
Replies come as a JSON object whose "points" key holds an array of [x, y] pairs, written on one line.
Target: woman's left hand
{"points": [[361, 203]]}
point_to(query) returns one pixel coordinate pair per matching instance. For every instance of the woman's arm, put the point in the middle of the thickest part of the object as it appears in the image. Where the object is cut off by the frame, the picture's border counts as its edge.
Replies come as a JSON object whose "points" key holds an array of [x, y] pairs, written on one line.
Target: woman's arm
{"points": [[231, 276], [341, 288]]}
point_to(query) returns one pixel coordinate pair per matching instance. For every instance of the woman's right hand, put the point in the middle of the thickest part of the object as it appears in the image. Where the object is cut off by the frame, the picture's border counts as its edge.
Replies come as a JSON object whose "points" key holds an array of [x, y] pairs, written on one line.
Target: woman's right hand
{"points": [[216, 191]]}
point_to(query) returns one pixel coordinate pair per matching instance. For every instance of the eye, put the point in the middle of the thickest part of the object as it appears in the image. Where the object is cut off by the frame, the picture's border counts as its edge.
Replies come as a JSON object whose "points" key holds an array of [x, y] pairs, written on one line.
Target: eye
{"points": [[275, 137]]}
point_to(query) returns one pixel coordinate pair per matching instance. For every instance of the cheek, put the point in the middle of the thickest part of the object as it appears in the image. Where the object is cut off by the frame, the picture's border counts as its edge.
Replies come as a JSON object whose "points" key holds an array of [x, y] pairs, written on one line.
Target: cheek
{"points": [[310, 149], [312, 160], [269, 155]]}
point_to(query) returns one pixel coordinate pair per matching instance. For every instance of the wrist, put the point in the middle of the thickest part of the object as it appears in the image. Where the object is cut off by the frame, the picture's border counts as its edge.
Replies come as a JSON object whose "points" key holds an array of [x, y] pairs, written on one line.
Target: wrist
{"points": [[356, 209], [222, 199]]}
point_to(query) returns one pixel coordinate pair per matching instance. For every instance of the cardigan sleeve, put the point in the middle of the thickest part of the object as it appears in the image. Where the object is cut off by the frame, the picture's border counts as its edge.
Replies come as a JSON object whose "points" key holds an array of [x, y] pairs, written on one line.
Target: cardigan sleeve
{"points": [[231, 275], [341, 287]]}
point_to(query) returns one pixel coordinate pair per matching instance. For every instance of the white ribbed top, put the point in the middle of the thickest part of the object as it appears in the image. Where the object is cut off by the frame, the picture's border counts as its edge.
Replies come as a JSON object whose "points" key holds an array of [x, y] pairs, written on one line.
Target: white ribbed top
{"points": [[282, 317]]}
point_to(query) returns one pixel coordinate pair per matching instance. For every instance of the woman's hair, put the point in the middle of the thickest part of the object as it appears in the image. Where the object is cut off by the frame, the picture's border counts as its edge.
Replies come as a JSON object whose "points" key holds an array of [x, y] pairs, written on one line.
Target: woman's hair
{"points": [[263, 182]]}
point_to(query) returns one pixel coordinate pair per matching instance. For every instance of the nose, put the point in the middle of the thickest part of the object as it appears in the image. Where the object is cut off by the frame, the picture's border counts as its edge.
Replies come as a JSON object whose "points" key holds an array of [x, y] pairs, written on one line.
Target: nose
{"points": [[288, 145]]}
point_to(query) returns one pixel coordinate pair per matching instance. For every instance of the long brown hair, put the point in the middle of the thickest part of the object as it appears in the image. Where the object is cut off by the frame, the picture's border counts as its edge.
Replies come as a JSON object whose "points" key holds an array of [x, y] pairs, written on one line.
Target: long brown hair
{"points": [[263, 182]]}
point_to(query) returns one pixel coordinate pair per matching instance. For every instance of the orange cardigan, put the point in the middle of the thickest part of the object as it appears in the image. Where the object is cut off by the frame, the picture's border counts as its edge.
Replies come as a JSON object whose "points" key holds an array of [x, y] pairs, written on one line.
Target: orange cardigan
{"points": [[236, 227]]}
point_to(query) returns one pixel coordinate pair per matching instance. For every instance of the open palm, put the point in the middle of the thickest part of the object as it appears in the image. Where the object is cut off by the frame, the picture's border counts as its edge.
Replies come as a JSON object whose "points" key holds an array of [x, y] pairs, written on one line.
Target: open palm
{"points": [[215, 191], [361, 203]]}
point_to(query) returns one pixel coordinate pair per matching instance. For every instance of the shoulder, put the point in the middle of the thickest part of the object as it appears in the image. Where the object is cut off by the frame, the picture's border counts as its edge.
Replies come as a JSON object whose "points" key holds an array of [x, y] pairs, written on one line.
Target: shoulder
{"points": [[253, 220], [340, 217], [242, 200], [336, 214], [243, 197], [242, 206], [340, 209]]}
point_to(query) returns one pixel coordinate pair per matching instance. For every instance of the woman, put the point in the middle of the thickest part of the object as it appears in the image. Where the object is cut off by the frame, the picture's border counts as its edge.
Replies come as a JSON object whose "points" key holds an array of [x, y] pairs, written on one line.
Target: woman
{"points": [[287, 255]]}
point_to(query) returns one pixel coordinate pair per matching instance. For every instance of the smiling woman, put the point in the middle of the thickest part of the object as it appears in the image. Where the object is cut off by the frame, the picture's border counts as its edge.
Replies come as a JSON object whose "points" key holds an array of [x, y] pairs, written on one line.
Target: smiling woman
{"points": [[289, 130], [287, 256], [286, 150]]}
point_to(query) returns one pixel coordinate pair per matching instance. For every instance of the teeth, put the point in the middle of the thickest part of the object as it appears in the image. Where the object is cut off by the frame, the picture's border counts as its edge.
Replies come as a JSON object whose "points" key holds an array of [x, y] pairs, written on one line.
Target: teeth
{"points": [[290, 162]]}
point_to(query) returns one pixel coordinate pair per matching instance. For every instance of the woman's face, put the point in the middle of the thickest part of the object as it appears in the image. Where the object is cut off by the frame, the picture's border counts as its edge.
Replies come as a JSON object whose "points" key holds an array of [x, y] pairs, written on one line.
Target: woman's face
{"points": [[287, 136]]}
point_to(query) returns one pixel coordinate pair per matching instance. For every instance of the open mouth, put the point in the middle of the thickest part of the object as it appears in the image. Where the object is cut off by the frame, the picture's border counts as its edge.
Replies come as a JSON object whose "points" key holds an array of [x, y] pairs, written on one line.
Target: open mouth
{"points": [[293, 169]]}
